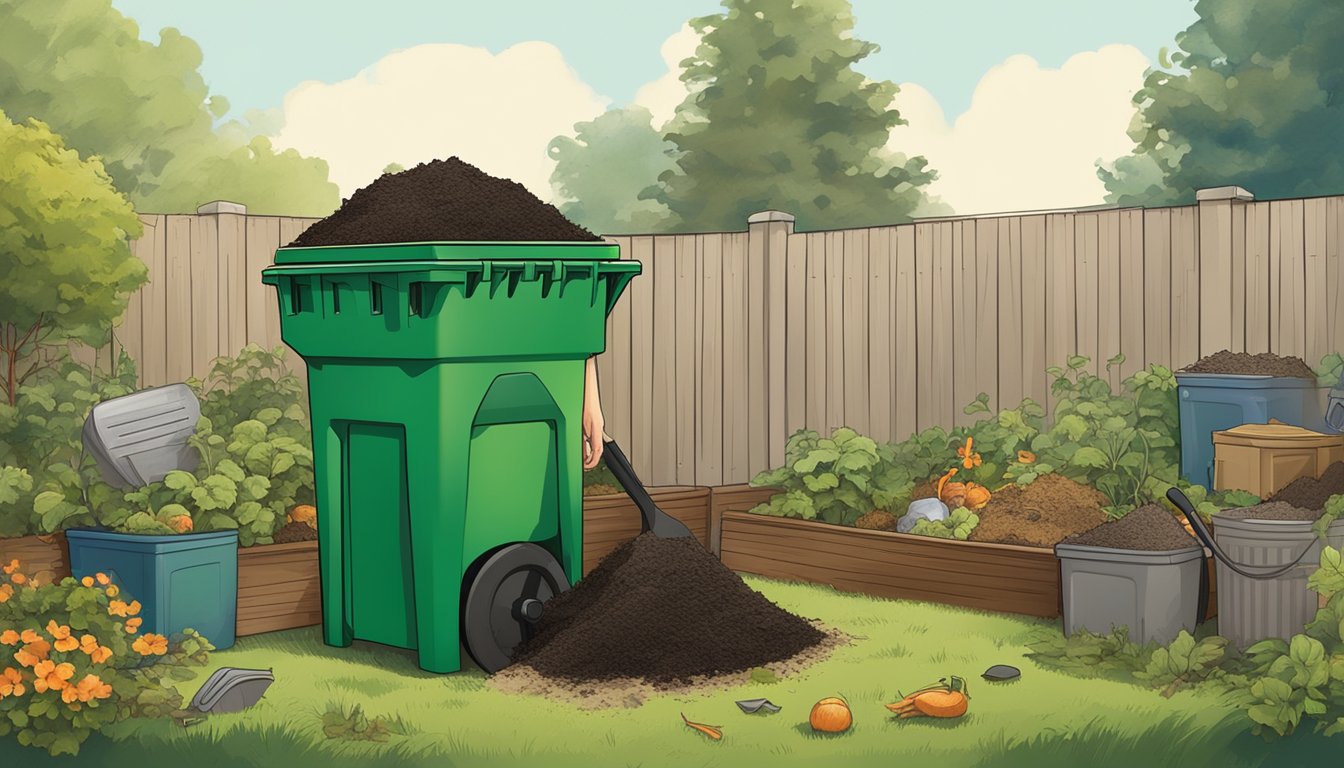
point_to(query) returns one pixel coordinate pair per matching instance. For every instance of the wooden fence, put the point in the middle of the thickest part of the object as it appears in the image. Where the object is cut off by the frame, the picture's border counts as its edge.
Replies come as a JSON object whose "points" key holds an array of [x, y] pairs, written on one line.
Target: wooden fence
{"points": [[729, 342]]}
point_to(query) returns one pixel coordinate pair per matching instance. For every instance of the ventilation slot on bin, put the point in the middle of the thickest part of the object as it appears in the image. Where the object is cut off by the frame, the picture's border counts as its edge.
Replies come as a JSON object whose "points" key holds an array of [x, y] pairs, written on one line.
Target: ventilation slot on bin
{"points": [[414, 297], [376, 297]]}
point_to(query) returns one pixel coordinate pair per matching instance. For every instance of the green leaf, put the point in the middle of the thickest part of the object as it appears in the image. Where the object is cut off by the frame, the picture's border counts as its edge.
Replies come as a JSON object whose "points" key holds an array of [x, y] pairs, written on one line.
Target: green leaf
{"points": [[255, 487], [229, 469], [179, 480], [215, 492], [1076, 362], [815, 457], [1089, 457], [47, 501]]}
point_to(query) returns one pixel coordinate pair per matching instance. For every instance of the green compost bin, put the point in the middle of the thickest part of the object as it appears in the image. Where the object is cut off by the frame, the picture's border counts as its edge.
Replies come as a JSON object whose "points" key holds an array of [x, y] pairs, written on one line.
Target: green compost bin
{"points": [[445, 386]]}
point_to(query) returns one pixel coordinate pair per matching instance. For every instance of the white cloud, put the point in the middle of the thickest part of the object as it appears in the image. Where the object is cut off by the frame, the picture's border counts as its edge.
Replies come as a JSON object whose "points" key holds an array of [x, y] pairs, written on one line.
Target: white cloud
{"points": [[664, 95], [1032, 136], [495, 111]]}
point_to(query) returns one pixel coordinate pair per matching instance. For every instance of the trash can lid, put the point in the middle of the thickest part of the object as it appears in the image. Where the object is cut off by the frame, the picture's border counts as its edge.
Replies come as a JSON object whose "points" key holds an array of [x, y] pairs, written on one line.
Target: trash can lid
{"points": [[1275, 435], [504, 250]]}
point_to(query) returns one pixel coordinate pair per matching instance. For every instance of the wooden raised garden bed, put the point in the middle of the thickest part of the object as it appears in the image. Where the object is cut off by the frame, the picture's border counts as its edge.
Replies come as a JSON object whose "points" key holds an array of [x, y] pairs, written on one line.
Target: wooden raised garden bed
{"points": [[279, 587], [44, 559], [610, 520]]}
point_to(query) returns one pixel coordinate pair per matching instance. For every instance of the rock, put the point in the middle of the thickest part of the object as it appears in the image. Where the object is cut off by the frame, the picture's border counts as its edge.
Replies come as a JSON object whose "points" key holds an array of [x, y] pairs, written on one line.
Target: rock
{"points": [[921, 509]]}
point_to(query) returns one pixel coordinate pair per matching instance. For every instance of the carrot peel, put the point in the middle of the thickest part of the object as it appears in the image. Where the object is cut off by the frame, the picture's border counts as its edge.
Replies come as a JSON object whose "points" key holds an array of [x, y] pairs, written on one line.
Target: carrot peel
{"points": [[712, 731]]}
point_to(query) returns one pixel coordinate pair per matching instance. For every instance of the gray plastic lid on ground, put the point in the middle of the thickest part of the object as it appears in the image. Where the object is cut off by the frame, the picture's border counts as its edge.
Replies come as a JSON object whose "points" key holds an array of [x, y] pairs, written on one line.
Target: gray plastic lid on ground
{"points": [[752, 706], [137, 439], [232, 689], [1002, 672]]}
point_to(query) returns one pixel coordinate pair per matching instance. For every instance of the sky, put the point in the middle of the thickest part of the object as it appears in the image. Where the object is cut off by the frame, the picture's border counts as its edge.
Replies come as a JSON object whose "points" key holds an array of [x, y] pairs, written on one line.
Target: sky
{"points": [[363, 89]]}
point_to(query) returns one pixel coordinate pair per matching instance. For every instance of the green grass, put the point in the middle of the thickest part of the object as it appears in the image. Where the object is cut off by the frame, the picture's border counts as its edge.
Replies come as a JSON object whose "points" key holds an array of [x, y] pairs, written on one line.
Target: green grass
{"points": [[1043, 719]]}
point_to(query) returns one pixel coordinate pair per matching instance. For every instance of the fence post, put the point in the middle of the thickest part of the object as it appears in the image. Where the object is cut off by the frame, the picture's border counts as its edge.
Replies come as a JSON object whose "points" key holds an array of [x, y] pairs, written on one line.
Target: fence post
{"points": [[767, 245], [1222, 268], [230, 224]]}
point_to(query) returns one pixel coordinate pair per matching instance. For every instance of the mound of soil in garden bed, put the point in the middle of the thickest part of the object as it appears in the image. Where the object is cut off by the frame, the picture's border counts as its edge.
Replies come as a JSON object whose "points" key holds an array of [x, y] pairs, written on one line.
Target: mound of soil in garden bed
{"points": [[1051, 508], [1150, 528], [1247, 364], [296, 531], [601, 489], [1274, 510], [442, 200], [665, 611], [1311, 492]]}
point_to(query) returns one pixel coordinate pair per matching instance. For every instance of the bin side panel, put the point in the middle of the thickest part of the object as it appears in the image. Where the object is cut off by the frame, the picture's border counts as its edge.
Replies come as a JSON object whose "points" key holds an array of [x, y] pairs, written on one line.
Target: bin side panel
{"points": [[378, 523]]}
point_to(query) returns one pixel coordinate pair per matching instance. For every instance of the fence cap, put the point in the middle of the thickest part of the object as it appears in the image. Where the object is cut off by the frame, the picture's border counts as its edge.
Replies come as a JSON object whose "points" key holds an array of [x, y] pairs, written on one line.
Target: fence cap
{"points": [[222, 206], [764, 217], [1223, 193]]}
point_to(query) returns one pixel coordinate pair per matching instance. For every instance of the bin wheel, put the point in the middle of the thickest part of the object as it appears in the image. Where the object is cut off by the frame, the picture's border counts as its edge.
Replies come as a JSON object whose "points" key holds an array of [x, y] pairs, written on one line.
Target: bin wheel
{"points": [[504, 599]]}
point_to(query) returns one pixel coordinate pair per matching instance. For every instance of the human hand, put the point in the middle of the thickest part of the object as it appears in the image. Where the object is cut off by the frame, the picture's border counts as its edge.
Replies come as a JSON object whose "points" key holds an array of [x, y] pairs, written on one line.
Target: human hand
{"points": [[593, 423]]}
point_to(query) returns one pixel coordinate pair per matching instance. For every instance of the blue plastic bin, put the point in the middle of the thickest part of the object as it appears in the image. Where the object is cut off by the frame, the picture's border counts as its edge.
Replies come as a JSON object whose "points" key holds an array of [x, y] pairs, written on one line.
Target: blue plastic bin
{"points": [[1212, 402], [187, 581]]}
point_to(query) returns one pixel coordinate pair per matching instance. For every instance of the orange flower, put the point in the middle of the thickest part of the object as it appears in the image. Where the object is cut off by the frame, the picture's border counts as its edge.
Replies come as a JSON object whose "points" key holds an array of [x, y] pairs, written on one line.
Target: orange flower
{"points": [[88, 644], [133, 625], [1026, 457], [969, 458], [61, 634], [133, 608], [102, 579], [92, 687], [117, 608], [112, 590], [87, 581], [151, 645], [32, 653], [18, 578], [12, 567], [9, 637], [6, 592], [11, 683], [101, 654], [51, 676]]}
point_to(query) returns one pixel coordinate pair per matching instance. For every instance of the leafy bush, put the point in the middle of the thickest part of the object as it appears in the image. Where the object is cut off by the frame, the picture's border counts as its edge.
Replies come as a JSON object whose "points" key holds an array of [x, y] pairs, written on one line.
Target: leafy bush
{"points": [[829, 479], [958, 525], [81, 662]]}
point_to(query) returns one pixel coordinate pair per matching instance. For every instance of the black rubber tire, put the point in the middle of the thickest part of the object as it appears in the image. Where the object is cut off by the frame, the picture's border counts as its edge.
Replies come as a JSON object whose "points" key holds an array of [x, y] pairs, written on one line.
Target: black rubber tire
{"points": [[490, 630]]}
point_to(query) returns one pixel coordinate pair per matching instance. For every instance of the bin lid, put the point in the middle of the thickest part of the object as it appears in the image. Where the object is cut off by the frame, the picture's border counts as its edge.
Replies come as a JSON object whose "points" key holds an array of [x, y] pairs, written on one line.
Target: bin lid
{"points": [[1275, 436], [503, 250]]}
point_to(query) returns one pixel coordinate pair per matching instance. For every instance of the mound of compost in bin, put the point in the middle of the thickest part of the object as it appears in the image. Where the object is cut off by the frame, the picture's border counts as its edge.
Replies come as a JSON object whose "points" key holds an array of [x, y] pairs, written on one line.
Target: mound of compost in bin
{"points": [[664, 610], [1311, 492], [1150, 528], [1274, 510], [1048, 509], [437, 201], [1247, 364]]}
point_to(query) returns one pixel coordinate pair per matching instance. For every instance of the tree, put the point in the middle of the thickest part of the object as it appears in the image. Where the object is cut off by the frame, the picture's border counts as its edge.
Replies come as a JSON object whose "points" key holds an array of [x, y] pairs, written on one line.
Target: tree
{"points": [[66, 267], [778, 118], [393, 168], [1253, 96], [80, 67], [607, 173]]}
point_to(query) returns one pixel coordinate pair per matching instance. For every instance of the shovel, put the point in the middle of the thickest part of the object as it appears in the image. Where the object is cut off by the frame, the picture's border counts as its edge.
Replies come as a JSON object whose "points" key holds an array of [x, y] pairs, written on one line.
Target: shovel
{"points": [[663, 525]]}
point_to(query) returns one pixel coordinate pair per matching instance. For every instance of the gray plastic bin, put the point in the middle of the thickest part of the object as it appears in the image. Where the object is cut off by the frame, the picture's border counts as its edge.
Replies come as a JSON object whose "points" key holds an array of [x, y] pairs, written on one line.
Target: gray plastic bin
{"points": [[1154, 594], [1251, 610]]}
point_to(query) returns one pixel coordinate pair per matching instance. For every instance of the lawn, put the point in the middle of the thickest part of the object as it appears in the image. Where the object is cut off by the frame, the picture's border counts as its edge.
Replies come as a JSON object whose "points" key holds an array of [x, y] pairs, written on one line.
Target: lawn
{"points": [[1043, 719]]}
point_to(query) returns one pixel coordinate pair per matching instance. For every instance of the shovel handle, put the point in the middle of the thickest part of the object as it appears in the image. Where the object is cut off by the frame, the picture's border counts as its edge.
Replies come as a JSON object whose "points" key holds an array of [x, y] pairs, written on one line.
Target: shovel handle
{"points": [[1204, 535], [625, 474]]}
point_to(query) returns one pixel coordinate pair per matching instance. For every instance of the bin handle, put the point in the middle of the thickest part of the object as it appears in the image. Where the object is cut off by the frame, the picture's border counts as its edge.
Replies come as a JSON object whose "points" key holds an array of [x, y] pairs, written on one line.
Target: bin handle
{"points": [[1202, 533]]}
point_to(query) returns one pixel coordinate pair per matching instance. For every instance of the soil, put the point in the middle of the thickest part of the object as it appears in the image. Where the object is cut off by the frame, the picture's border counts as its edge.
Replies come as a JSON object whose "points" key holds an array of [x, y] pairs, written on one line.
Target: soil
{"points": [[1046, 511], [292, 532], [925, 490], [600, 489], [877, 520], [1247, 364], [442, 200], [1274, 510], [665, 611], [1311, 492], [1149, 528]]}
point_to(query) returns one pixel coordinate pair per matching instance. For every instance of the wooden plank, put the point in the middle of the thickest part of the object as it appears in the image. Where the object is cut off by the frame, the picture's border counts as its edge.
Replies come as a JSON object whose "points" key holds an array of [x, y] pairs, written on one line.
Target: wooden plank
{"points": [[1238, 247], [291, 228], [1157, 286], [45, 562], [776, 288], [1215, 276], [757, 387], [731, 498], [942, 311], [988, 274], [204, 320], [179, 361], [963, 364], [1184, 286], [904, 359], [263, 306], [1009, 288], [1316, 336], [1035, 383], [1085, 280], [1108, 294], [854, 330], [1287, 221], [881, 424], [835, 331], [815, 346], [735, 446], [1334, 267], [687, 367], [1258, 280], [796, 333], [1061, 292], [153, 365], [130, 333], [662, 470], [710, 432], [615, 402], [927, 398], [232, 276], [641, 361], [1131, 291]]}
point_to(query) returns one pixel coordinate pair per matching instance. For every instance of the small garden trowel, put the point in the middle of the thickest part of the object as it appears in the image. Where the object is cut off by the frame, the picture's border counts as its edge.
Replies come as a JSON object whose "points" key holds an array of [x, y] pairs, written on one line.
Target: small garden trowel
{"points": [[663, 525]]}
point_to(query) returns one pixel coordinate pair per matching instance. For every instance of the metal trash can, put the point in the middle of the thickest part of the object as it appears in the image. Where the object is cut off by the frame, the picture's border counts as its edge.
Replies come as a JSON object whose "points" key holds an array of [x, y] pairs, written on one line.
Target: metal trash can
{"points": [[1153, 593], [446, 388]]}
